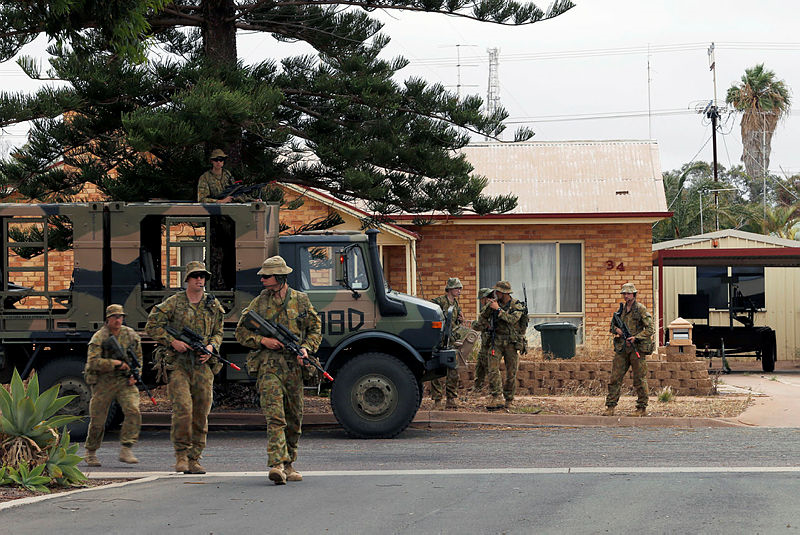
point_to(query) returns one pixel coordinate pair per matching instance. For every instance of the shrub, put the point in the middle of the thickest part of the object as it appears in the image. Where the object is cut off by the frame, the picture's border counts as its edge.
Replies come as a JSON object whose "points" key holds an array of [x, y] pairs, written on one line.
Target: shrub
{"points": [[666, 394], [28, 421]]}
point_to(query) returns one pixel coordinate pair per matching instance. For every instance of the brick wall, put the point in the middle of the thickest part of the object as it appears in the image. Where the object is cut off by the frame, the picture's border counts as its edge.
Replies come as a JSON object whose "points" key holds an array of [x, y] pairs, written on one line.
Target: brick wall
{"points": [[447, 250]]}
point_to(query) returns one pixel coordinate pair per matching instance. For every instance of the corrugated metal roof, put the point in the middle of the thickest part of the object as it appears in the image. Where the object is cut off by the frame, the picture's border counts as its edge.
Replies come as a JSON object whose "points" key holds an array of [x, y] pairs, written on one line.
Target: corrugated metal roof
{"points": [[573, 177], [735, 239]]}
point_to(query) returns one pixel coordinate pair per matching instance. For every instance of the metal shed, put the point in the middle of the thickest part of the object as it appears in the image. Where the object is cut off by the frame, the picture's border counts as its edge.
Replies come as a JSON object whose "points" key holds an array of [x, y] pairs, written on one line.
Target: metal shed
{"points": [[679, 266]]}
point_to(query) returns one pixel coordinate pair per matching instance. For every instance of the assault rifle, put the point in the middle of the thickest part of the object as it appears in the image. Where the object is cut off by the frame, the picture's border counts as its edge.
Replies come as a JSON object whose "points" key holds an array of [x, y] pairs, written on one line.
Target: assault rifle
{"points": [[616, 321], [133, 363], [290, 341], [238, 189], [194, 340]]}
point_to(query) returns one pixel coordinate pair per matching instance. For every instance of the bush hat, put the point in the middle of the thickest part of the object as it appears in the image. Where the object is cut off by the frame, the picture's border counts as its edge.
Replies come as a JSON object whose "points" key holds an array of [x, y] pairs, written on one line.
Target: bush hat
{"points": [[196, 266], [274, 265]]}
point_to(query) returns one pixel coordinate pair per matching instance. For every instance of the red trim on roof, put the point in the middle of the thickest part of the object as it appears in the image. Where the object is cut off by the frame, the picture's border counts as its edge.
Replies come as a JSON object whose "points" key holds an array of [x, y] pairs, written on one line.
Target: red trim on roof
{"points": [[716, 253], [355, 208]]}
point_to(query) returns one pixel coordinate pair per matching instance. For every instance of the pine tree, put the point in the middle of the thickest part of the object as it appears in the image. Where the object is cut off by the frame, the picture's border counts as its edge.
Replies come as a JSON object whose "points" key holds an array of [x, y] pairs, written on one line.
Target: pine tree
{"points": [[338, 120]]}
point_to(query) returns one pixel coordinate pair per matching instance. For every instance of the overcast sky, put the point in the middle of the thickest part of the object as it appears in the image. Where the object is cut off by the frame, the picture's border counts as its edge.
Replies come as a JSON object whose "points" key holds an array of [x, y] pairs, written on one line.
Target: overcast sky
{"points": [[584, 75]]}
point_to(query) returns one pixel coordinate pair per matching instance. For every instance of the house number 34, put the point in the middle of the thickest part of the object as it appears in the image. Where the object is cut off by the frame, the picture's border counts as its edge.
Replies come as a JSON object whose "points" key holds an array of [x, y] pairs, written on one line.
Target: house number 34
{"points": [[619, 267]]}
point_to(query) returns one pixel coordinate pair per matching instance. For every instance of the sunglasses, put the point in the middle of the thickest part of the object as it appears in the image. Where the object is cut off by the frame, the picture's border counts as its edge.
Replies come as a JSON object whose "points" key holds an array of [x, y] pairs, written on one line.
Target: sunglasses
{"points": [[197, 276], [218, 159]]}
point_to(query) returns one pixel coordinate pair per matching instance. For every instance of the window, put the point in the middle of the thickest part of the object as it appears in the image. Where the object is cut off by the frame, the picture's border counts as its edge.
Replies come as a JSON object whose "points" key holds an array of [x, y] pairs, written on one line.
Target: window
{"points": [[317, 269], [551, 273], [714, 282]]}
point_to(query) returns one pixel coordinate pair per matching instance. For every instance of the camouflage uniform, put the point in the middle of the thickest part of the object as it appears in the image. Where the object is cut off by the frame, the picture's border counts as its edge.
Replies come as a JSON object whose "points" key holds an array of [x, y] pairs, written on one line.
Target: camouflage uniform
{"points": [[280, 378], [190, 382], [109, 383], [640, 324], [451, 382], [506, 344], [210, 186], [481, 363]]}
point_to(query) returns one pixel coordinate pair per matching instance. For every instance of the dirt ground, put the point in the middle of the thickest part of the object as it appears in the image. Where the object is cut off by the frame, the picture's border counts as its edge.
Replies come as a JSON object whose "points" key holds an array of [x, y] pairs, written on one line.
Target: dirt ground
{"points": [[16, 493]]}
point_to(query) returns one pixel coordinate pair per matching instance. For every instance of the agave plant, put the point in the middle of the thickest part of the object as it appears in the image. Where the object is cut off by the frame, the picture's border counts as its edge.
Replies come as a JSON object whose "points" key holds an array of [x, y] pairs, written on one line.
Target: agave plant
{"points": [[29, 479], [28, 421], [62, 462]]}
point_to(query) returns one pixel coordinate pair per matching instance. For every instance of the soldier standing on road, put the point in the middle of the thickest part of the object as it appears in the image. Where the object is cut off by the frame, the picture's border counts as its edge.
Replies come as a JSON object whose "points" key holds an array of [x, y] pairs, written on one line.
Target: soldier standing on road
{"points": [[279, 372], [481, 362], [212, 183], [448, 301], [640, 325], [110, 379], [505, 312], [191, 375]]}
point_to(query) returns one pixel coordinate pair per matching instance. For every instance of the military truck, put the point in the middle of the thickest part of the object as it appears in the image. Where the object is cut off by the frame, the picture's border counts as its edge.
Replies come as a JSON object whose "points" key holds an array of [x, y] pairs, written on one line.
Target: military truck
{"points": [[380, 345]]}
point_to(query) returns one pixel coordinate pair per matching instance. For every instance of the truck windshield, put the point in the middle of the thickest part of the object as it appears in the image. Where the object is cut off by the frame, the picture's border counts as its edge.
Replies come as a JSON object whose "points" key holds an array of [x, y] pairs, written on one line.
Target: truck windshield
{"points": [[317, 269]]}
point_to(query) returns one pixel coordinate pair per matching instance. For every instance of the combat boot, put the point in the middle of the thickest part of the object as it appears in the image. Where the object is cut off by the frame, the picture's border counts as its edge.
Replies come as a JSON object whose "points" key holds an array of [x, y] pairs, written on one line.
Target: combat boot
{"points": [[127, 456], [91, 458], [640, 412], [437, 404], [509, 403], [291, 473], [277, 475], [195, 467], [451, 404], [609, 411], [181, 463], [495, 404]]}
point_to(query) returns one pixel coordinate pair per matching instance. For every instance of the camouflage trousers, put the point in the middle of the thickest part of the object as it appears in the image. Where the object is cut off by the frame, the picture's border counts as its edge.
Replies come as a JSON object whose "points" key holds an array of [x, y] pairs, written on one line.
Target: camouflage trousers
{"points": [[622, 361], [481, 367], [451, 385], [507, 352], [281, 391], [191, 395], [104, 392]]}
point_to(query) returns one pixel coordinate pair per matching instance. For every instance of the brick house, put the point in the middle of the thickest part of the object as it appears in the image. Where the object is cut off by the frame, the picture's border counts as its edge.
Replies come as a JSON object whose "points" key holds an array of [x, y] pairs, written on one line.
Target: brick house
{"points": [[581, 229]]}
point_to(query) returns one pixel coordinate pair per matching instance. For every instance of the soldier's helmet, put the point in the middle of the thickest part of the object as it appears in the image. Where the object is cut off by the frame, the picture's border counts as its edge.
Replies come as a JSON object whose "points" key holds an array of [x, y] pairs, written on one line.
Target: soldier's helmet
{"points": [[274, 265], [453, 282], [218, 153], [503, 287], [628, 288], [195, 266], [112, 310], [484, 292]]}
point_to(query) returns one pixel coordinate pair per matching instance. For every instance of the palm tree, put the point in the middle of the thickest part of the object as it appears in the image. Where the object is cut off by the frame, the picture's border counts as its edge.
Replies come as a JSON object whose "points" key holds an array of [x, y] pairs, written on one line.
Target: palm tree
{"points": [[764, 101]]}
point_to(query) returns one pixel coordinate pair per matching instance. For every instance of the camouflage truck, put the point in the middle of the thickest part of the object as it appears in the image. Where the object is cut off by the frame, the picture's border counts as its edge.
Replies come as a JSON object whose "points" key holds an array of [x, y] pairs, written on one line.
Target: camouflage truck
{"points": [[63, 263]]}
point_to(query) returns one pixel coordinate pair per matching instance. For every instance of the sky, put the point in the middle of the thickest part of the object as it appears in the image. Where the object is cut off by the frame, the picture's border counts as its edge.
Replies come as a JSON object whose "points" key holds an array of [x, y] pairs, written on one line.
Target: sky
{"points": [[588, 75]]}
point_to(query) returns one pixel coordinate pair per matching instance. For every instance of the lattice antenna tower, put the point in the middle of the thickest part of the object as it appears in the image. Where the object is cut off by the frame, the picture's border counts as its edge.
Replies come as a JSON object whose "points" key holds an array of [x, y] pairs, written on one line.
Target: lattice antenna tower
{"points": [[493, 92]]}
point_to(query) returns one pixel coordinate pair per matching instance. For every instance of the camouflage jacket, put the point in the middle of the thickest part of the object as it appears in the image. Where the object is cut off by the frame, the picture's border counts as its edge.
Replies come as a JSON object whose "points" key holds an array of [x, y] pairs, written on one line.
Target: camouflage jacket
{"points": [[210, 186], [295, 312], [640, 324], [99, 356], [205, 318], [483, 325], [456, 331], [505, 324]]}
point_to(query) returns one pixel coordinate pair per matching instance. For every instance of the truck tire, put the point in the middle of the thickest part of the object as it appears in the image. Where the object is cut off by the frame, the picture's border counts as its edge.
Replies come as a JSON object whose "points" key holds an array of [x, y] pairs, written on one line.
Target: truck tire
{"points": [[768, 358], [68, 374], [375, 395]]}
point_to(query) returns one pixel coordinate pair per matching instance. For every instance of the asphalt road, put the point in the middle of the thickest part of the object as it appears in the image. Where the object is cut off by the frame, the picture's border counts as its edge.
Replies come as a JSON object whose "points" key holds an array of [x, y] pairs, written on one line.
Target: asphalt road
{"points": [[239, 450], [452, 480]]}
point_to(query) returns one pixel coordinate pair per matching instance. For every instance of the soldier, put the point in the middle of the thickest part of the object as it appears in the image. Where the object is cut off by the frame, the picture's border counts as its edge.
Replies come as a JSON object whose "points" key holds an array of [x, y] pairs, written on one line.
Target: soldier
{"points": [[640, 326], [279, 372], [110, 379], [191, 375], [481, 363], [211, 183], [505, 313], [452, 291]]}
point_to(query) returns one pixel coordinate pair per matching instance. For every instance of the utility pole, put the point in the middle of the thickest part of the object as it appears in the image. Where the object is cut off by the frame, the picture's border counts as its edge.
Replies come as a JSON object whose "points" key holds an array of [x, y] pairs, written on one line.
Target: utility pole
{"points": [[493, 91], [712, 112]]}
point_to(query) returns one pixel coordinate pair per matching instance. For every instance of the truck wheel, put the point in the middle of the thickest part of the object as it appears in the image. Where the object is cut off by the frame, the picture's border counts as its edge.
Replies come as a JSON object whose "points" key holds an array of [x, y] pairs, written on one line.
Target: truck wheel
{"points": [[768, 358], [68, 374], [375, 396]]}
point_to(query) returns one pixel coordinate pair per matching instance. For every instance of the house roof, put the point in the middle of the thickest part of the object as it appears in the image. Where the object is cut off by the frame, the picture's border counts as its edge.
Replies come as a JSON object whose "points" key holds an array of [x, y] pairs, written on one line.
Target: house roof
{"points": [[728, 247], [574, 177]]}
